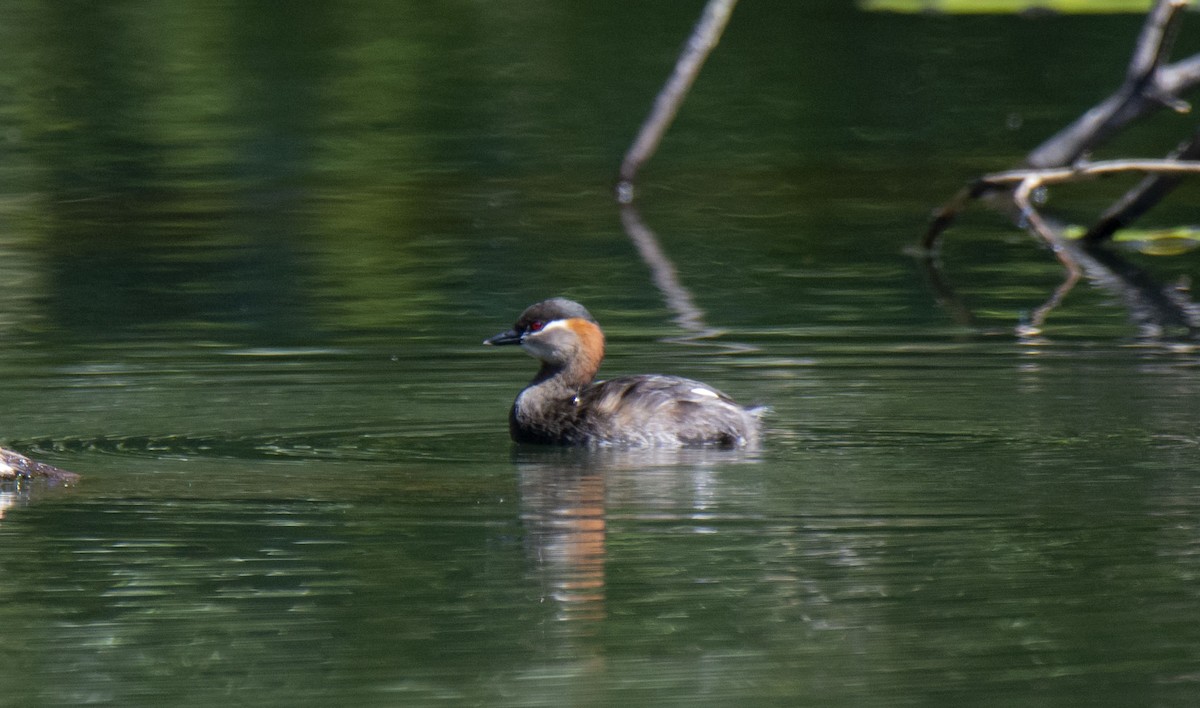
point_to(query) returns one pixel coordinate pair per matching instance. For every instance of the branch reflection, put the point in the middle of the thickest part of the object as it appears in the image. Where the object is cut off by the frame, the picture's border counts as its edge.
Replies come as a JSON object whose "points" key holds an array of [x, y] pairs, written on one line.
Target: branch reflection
{"points": [[1157, 310], [688, 316]]}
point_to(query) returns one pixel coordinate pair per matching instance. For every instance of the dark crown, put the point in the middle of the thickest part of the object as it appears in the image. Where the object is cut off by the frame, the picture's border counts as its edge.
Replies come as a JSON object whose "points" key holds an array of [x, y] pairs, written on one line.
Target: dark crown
{"points": [[553, 309]]}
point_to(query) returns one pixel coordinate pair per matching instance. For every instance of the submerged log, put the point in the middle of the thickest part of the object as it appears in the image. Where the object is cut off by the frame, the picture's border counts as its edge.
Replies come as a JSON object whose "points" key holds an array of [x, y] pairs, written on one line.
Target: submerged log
{"points": [[16, 466]]}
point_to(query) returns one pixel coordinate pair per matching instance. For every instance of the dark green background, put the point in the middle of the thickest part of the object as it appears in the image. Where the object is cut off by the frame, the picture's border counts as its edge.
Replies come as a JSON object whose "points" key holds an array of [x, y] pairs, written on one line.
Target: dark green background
{"points": [[248, 252]]}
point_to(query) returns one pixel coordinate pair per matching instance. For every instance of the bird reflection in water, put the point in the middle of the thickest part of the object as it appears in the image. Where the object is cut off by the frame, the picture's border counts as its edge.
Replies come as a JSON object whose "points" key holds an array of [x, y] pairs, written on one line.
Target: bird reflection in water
{"points": [[564, 497], [562, 509]]}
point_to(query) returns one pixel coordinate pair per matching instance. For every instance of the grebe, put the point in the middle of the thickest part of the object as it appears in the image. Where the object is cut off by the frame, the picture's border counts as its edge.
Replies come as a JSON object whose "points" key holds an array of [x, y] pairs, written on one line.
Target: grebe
{"points": [[562, 405]]}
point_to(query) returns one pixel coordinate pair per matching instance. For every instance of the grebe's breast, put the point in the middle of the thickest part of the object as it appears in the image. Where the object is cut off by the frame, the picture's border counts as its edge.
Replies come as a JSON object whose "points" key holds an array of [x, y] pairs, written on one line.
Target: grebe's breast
{"points": [[663, 410]]}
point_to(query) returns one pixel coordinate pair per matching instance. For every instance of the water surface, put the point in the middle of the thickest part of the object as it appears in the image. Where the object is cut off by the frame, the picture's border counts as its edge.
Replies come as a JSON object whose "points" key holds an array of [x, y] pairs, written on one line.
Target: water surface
{"points": [[249, 254]]}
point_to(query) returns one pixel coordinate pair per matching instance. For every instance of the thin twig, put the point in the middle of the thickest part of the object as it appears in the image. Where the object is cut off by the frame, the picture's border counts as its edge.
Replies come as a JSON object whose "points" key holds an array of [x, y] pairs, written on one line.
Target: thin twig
{"points": [[1085, 170], [1143, 196], [702, 41], [1022, 197], [945, 216], [1012, 179], [1028, 181]]}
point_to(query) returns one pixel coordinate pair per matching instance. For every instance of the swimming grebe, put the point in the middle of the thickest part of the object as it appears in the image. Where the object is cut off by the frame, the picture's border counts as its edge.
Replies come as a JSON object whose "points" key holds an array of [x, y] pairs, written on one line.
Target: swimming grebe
{"points": [[563, 406]]}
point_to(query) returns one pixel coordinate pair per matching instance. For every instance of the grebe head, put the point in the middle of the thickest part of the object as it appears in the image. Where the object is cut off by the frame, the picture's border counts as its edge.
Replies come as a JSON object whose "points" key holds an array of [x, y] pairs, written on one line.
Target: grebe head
{"points": [[558, 331]]}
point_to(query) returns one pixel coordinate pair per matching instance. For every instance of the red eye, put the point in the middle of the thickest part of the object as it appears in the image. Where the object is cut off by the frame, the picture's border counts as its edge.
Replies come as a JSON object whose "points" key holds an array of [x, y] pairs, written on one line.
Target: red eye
{"points": [[535, 326]]}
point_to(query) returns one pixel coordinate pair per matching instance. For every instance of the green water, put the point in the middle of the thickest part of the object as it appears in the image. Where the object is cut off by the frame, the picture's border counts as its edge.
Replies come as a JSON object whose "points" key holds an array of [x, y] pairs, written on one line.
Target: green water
{"points": [[247, 257]]}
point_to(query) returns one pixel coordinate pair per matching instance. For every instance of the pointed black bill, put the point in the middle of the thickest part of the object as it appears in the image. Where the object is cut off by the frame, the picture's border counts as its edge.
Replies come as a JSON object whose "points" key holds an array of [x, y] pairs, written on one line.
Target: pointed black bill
{"points": [[512, 336]]}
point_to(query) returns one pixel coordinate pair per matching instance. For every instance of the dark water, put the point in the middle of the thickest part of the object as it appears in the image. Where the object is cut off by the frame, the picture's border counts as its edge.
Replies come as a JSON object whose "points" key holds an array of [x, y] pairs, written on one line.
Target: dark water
{"points": [[249, 252]]}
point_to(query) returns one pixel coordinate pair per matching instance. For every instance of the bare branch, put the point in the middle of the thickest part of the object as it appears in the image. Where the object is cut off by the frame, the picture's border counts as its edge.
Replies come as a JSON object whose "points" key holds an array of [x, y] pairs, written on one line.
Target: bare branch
{"points": [[1086, 170], [1155, 42], [702, 41], [1181, 76], [1146, 89], [1022, 198], [1030, 179], [945, 216]]}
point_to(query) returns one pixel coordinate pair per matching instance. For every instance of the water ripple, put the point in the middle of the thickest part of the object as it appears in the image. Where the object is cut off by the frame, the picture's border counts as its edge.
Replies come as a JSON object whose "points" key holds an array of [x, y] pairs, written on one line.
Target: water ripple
{"points": [[343, 445]]}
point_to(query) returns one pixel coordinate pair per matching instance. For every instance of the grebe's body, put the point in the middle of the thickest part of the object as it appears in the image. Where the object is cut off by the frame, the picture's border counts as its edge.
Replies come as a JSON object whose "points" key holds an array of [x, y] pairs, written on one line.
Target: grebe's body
{"points": [[564, 406]]}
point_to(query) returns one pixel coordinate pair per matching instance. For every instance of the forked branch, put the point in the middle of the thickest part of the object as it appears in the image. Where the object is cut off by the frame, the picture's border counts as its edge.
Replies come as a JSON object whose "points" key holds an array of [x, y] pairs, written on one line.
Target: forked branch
{"points": [[1150, 84]]}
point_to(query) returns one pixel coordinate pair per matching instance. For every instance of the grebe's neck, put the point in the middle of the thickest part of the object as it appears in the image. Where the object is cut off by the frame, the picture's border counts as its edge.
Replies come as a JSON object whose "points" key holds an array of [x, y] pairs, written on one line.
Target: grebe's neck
{"points": [[548, 407], [577, 366], [562, 377]]}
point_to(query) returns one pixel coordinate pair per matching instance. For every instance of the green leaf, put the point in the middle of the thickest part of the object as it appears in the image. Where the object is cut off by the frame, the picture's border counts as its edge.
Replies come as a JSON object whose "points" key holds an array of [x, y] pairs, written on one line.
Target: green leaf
{"points": [[1151, 242], [964, 7]]}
